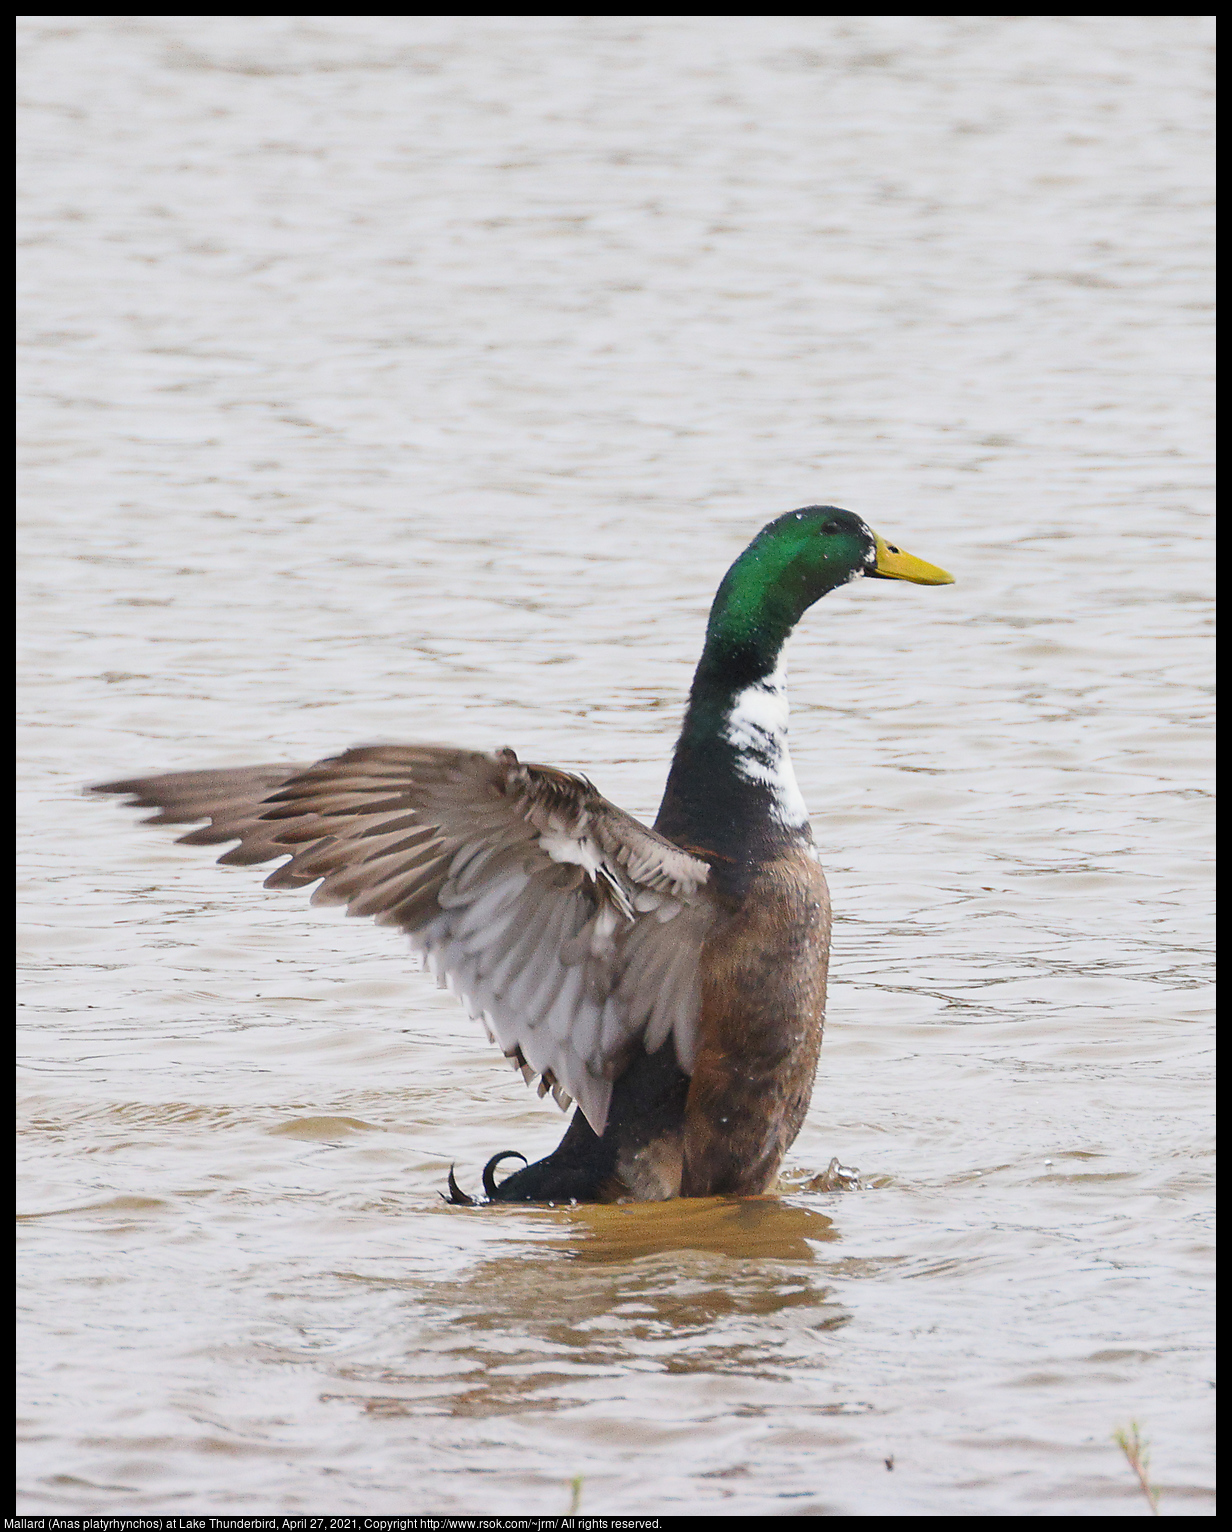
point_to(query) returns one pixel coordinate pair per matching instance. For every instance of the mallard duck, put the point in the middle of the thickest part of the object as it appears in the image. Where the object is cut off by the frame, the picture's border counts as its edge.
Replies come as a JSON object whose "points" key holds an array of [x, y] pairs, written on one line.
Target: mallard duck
{"points": [[670, 981]]}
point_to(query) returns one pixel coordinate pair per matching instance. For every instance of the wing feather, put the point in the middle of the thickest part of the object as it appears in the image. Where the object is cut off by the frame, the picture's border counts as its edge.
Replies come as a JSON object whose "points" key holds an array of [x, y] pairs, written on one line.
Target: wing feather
{"points": [[565, 926]]}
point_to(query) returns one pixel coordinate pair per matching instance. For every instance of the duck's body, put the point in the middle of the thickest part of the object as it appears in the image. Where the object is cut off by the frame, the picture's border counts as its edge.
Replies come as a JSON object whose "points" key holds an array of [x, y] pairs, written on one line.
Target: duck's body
{"points": [[672, 981]]}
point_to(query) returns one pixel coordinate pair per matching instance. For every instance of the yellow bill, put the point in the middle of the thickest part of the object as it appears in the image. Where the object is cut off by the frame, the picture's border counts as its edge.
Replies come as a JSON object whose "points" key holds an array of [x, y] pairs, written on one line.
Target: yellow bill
{"points": [[894, 564]]}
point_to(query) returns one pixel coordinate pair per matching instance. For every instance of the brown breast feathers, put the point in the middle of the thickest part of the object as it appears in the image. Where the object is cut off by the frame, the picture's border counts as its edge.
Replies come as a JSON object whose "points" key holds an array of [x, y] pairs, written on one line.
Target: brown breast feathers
{"points": [[763, 982]]}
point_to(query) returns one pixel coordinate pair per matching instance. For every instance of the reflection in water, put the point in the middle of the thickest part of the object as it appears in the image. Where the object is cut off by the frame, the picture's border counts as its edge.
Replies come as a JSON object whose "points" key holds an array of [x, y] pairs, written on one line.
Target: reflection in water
{"points": [[713, 1286], [739, 1227]]}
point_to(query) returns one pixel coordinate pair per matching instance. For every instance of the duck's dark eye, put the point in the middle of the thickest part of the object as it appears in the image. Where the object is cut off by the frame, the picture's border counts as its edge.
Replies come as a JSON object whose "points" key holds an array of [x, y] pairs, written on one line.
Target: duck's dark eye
{"points": [[832, 528]]}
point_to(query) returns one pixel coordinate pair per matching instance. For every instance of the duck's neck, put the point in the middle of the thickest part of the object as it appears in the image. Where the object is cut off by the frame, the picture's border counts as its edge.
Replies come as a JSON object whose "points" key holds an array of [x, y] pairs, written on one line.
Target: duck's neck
{"points": [[731, 789]]}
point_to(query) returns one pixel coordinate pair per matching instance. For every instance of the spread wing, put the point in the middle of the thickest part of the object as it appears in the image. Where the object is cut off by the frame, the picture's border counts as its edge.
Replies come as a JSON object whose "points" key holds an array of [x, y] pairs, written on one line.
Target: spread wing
{"points": [[570, 929]]}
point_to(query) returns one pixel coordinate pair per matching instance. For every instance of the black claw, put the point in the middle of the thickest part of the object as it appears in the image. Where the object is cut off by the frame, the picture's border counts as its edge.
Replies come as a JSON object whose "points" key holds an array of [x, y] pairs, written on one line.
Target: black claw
{"points": [[456, 1195], [489, 1170]]}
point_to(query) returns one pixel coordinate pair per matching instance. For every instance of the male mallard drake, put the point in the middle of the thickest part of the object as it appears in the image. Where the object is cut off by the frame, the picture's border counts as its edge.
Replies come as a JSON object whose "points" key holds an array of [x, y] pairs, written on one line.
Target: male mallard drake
{"points": [[671, 981]]}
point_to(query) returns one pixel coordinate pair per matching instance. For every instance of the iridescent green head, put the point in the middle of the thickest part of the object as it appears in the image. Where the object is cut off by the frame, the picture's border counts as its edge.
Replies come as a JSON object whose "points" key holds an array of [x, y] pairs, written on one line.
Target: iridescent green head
{"points": [[792, 562]]}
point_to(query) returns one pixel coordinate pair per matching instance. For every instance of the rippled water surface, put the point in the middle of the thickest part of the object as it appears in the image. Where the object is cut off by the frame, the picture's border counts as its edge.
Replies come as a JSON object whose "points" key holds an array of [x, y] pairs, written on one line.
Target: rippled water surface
{"points": [[418, 379]]}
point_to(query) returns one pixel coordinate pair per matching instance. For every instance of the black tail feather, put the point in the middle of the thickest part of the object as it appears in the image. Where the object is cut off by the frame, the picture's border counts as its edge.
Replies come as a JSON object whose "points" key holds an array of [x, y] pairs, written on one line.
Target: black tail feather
{"points": [[456, 1195], [489, 1170]]}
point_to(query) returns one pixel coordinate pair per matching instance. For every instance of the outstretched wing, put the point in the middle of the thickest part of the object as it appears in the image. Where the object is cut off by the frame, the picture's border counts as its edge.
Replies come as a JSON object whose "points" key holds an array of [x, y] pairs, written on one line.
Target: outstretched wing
{"points": [[570, 929]]}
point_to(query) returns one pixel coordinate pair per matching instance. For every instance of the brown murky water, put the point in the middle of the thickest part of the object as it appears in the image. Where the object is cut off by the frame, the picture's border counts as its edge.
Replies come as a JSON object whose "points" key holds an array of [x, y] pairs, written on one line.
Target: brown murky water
{"points": [[406, 379]]}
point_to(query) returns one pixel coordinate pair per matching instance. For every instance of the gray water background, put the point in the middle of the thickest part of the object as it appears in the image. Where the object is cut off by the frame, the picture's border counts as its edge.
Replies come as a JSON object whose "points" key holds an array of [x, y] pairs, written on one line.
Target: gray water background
{"points": [[418, 379]]}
